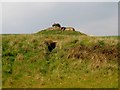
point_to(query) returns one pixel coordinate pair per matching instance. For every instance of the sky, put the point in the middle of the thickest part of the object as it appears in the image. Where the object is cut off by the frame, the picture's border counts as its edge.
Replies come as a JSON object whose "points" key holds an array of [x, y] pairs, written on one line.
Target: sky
{"points": [[0, 18], [92, 18]]}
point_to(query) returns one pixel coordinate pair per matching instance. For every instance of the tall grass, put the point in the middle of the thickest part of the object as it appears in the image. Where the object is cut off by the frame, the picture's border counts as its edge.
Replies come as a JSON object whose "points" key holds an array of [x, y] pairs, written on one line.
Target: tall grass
{"points": [[1, 61], [78, 61]]}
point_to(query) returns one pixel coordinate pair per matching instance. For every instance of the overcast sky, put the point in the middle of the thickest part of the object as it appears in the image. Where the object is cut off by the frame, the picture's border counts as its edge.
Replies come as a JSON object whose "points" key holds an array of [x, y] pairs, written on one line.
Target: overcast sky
{"points": [[93, 18]]}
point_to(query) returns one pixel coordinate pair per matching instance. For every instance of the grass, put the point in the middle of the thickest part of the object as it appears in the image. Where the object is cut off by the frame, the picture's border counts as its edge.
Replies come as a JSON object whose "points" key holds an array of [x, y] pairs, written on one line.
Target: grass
{"points": [[78, 61], [0, 61]]}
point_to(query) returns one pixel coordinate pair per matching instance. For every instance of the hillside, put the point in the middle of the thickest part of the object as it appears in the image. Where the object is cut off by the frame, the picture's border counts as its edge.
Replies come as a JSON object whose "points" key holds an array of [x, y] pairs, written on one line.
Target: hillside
{"points": [[52, 59]]}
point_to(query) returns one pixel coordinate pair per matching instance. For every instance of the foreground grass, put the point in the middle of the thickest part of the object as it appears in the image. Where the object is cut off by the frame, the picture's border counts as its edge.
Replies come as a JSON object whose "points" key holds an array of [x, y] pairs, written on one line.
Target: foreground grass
{"points": [[78, 61], [0, 61]]}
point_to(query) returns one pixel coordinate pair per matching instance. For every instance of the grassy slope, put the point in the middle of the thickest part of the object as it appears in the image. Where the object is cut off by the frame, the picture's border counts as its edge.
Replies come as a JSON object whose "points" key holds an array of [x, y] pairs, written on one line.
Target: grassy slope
{"points": [[77, 61], [0, 61]]}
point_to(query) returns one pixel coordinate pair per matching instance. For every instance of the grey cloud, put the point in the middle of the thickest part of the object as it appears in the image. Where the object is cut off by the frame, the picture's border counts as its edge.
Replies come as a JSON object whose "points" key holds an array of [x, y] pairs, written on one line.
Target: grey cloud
{"points": [[105, 27], [30, 17]]}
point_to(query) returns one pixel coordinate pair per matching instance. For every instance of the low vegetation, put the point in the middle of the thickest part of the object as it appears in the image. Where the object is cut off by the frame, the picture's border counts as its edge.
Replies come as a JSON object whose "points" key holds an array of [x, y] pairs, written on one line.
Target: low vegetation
{"points": [[76, 61]]}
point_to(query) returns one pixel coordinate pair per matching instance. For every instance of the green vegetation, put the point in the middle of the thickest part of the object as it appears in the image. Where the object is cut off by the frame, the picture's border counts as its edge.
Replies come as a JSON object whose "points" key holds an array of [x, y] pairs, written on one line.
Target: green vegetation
{"points": [[59, 32], [0, 61], [77, 61]]}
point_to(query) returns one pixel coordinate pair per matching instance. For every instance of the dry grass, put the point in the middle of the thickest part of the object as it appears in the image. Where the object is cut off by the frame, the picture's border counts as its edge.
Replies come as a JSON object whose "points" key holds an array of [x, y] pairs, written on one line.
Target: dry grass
{"points": [[78, 61]]}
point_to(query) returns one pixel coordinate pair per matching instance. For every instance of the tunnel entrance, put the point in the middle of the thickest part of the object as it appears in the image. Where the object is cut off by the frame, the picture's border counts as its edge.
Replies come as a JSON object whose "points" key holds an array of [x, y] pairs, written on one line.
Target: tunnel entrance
{"points": [[50, 45]]}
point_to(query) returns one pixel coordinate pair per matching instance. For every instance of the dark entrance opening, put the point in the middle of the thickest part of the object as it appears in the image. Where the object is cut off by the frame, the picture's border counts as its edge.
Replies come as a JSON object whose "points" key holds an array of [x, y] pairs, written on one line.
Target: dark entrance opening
{"points": [[50, 45]]}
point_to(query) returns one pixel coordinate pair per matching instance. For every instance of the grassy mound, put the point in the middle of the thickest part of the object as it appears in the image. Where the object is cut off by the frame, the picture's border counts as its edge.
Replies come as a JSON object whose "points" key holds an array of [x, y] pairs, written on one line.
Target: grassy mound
{"points": [[54, 32], [77, 61]]}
